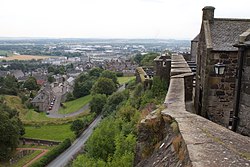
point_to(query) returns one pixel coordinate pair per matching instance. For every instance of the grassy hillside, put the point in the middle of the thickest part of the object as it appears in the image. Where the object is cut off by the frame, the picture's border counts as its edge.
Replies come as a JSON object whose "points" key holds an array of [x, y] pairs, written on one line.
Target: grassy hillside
{"points": [[123, 80], [24, 113], [75, 105], [31, 117]]}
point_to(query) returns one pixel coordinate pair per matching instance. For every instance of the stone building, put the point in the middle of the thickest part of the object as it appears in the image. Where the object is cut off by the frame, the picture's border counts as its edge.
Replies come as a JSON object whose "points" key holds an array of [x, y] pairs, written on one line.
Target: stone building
{"points": [[43, 98], [143, 77], [163, 67], [241, 122], [214, 94], [194, 47]]}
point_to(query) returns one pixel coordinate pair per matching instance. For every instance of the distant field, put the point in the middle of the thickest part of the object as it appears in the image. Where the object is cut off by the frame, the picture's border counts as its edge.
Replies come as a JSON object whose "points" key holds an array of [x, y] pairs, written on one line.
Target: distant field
{"points": [[123, 80], [24, 57], [4, 53]]}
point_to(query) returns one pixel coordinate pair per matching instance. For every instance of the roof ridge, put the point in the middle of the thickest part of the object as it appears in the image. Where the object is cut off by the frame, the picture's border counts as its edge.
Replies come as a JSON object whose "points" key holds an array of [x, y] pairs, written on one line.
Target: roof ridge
{"points": [[231, 19]]}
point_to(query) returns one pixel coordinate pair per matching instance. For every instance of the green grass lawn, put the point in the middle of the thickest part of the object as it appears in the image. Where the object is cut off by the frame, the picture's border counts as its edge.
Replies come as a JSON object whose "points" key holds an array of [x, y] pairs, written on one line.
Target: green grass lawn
{"points": [[38, 116], [75, 105], [123, 80], [49, 132]]}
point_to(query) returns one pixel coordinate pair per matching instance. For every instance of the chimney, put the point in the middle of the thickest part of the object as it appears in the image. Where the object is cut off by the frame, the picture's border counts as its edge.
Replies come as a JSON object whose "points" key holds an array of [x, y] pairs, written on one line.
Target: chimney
{"points": [[208, 13]]}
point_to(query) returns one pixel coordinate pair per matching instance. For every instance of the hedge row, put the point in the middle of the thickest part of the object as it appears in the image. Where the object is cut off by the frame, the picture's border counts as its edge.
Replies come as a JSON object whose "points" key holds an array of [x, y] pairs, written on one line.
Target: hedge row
{"points": [[51, 155]]}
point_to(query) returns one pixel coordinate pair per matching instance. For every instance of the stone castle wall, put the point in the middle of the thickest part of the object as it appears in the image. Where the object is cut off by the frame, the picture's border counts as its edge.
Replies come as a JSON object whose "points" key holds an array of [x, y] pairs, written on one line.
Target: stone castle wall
{"points": [[244, 107], [221, 88]]}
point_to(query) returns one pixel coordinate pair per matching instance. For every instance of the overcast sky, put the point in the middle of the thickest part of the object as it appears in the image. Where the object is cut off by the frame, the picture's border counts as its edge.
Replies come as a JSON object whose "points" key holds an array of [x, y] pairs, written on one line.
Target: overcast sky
{"points": [[176, 19]]}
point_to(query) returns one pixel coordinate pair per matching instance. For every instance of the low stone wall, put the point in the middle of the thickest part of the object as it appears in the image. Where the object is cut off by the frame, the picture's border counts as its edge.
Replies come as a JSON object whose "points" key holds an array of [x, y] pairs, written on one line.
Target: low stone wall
{"points": [[175, 137], [38, 142]]}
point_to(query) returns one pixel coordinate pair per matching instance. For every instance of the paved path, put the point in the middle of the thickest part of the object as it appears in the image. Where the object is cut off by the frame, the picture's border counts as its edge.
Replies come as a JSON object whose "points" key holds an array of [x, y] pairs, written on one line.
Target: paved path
{"points": [[44, 151], [64, 158]]}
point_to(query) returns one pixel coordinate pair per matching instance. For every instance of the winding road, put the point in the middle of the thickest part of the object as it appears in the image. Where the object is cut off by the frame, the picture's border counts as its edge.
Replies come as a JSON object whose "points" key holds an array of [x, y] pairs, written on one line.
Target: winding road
{"points": [[63, 159]]}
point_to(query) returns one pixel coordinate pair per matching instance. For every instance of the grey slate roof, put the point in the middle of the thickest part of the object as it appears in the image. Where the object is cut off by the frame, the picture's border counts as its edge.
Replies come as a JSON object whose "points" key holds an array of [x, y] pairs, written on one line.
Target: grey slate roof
{"points": [[225, 33], [196, 39]]}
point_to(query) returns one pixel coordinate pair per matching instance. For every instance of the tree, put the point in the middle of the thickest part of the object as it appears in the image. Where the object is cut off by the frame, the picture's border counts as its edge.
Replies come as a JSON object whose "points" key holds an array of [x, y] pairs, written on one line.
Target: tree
{"points": [[76, 126], [9, 85], [97, 103], [51, 69], [113, 101], [104, 86], [85, 161], [31, 84], [96, 72], [148, 59], [110, 75], [82, 88], [11, 129], [101, 144], [51, 79], [138, 58]]}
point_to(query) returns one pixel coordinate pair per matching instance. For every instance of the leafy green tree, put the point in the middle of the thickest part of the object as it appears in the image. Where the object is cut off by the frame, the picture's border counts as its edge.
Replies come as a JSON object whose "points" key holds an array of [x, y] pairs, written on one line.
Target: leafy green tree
{"points": [[51, 69], [82, 88], [11, 129], [104, 86], [113, 101], [97, 103], [148, 59], [101, 144], [31, 84], [51, 79], [9, 85], [96, 72], [77, 126], [110, 75], [138, 58], [85, 161]]}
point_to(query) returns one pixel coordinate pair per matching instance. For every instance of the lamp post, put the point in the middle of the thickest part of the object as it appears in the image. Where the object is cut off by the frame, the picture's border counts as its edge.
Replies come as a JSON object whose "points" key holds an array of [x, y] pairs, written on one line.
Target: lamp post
{"points": [[219, 68]]}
